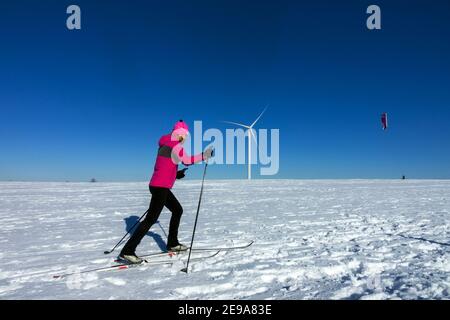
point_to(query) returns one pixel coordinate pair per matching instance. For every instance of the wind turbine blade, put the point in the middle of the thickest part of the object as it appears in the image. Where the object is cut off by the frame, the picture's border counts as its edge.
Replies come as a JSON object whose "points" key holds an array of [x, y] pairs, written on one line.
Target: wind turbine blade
{"points": [[259, 117], [237, 124], [253, 135]]}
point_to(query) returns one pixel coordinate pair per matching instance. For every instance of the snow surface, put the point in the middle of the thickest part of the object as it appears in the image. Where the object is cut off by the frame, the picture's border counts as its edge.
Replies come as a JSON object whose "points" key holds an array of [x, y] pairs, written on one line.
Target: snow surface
{"points": [[318, 239]]}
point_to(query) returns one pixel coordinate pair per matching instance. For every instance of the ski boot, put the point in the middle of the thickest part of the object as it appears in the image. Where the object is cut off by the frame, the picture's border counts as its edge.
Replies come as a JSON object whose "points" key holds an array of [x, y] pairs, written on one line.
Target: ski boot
{"points": [[176, 247], [131, 258]]}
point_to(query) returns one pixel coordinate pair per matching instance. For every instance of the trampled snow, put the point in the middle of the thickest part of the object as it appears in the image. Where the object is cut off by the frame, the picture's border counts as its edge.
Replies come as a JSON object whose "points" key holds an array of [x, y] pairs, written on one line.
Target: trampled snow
{"points": [[317, 239]]}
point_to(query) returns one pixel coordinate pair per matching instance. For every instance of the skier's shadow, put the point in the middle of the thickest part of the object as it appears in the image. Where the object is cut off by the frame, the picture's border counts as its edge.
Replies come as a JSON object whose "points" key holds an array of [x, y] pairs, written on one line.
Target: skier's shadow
{"points": [[131, 221]]}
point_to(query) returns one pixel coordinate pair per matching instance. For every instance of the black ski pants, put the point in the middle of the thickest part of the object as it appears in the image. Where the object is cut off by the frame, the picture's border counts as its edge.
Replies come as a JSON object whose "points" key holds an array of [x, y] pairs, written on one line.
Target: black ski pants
{"points": [[160, 197]]}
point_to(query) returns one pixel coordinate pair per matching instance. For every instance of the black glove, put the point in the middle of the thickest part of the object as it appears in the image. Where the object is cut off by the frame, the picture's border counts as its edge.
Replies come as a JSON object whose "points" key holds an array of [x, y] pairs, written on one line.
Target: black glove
{"points": [[181, 173]]}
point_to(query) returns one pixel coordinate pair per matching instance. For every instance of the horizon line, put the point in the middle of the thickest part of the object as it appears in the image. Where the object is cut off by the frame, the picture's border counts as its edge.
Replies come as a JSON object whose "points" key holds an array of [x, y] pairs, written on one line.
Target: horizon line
{"points": [[216, 179]]}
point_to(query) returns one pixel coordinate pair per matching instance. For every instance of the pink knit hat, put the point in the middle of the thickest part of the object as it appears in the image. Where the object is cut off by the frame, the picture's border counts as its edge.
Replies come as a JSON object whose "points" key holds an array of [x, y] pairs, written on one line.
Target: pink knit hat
{"points": [[181, 128]]}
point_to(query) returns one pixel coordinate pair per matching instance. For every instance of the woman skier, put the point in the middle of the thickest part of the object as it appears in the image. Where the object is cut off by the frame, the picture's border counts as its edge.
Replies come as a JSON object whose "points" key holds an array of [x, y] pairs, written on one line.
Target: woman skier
{"points": [[170, 154]]}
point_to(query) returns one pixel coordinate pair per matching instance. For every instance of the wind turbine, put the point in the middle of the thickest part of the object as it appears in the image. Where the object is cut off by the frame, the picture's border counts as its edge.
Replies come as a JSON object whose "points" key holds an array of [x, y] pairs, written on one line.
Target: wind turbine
{"points": [[250, 135]]}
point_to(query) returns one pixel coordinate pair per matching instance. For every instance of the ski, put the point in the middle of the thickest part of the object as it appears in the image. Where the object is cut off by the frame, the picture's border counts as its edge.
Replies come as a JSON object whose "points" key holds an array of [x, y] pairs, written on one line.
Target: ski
{"points": [[225, 248], [123, 265], [170, 253]]}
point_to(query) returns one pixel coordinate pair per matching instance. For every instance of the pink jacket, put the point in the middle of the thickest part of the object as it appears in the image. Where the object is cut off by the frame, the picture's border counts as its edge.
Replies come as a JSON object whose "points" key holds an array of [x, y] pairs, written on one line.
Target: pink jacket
{"points": [[170, 154]]}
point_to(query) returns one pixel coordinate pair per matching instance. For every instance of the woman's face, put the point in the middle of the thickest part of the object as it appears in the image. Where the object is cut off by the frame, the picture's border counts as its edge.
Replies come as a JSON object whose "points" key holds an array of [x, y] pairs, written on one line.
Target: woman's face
{"points": [[180, 135]]}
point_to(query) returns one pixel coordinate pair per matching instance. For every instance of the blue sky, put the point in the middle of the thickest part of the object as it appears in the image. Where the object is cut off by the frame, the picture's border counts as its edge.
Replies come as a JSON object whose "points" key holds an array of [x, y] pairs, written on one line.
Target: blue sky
{"points": [[93, 103]]}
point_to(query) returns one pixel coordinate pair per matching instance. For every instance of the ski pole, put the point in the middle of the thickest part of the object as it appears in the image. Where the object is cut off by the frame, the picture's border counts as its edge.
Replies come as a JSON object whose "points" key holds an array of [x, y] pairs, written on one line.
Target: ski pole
{"points": [[118, 243], [196, 218]]}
